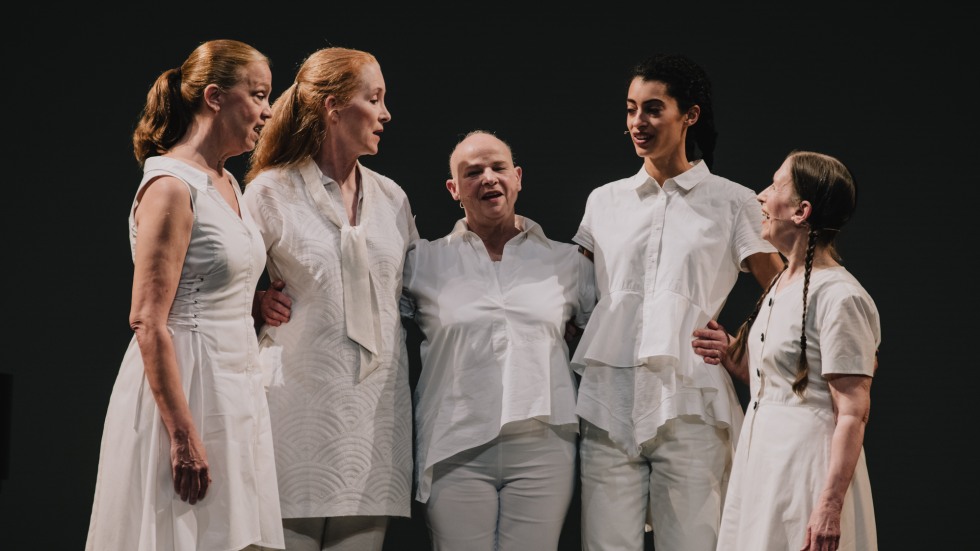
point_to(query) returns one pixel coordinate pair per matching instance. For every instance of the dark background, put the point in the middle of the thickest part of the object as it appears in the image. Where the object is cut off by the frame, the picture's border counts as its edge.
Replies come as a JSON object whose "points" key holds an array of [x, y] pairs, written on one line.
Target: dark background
{"points": [[887, 91]]}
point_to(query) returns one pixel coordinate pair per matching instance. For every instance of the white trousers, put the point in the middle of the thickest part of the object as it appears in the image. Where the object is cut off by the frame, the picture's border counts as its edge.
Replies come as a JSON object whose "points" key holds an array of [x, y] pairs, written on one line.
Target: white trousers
{"points": [[510, 494], [677, 484], [353, 533]]}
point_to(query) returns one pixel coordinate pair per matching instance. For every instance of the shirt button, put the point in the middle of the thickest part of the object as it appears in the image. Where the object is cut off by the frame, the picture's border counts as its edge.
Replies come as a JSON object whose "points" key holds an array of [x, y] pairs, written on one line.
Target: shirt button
{"points": [[762, 337], [755, 405], [758, 373]]}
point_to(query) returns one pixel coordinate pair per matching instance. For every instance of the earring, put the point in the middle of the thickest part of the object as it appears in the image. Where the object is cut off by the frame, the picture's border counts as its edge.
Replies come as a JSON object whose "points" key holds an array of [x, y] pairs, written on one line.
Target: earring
{"points": [[461, 205]]}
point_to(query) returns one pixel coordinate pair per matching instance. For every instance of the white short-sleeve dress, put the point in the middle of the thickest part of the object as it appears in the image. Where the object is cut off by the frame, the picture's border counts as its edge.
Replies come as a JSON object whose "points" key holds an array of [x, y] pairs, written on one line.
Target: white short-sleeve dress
{"points": [[783, 452]]}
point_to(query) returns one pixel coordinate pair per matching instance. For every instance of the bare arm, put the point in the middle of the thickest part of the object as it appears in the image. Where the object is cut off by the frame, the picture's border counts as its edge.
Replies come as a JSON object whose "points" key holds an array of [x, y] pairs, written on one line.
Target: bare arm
{"points": [[711, 343], [851, 395], [764, 266], [165, 219]]}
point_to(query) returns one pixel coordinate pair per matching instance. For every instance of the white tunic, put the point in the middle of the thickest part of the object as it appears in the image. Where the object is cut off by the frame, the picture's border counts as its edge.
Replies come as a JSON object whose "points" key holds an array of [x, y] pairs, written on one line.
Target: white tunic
{"points": [[135, 506], [343, 446], [494, 350], [783, 454], [665, 260]]}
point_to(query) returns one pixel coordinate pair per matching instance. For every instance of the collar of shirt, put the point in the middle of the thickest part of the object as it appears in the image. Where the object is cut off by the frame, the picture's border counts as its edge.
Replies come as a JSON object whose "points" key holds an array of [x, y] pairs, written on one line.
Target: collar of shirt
{"points": [[529, 229], [645, 185]]}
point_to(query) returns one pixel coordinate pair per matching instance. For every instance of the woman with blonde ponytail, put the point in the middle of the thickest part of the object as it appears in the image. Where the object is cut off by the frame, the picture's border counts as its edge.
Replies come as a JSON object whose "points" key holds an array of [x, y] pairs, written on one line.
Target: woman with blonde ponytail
{"points": [[330, 337], [808, 353]]}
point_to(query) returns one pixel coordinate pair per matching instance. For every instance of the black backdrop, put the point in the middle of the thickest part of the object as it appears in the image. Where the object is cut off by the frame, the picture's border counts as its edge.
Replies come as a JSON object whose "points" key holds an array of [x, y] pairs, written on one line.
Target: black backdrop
{"points": [[887, 92]]}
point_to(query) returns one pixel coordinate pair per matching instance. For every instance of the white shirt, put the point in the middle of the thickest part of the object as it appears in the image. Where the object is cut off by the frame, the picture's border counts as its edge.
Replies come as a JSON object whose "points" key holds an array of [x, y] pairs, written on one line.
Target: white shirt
{"points": [[494, 350], [666, 259]]}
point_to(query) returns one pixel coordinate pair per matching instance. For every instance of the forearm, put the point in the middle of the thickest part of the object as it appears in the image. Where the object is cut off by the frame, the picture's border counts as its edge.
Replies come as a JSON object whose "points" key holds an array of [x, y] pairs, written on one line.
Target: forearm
{"points": [[845, 449], [738, 370], [163, 377]]}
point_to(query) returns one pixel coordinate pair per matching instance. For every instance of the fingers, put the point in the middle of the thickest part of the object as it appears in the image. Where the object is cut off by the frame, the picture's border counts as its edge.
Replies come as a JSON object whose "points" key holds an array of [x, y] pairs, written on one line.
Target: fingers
{"points": [[191, 481], [709, 355], [204, 482], [276, 306]]}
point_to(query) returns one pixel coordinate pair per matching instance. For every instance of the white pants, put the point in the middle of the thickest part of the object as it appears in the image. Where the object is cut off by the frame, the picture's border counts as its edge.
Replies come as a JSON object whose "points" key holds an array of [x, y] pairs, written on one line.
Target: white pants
{"points": [[510, 494], [677, 484], [354, 533]]}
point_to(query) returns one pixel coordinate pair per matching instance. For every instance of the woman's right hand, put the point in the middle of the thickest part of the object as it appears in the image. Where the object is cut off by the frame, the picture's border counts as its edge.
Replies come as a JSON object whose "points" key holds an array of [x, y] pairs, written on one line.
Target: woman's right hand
{"points": [[274, 305], [711, 343], [189, 464]]}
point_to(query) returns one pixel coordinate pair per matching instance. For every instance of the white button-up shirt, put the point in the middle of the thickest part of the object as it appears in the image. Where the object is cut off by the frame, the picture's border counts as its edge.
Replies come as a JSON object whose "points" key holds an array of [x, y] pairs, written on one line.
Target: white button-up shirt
{"points": [[666, 259], [494, 350]]}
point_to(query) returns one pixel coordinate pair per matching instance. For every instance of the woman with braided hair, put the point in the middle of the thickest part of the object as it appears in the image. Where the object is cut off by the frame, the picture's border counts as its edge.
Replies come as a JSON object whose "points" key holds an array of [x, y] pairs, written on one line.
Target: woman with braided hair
{"points": [[808, 352], [657, 429]]}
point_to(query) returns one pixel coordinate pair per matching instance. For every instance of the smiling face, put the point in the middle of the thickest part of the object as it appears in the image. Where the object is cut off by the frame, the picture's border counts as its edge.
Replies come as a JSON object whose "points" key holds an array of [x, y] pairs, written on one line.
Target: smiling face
{"points": [[359, 123], [654, 120], [245, 108], [782, 211], [485, 180]]}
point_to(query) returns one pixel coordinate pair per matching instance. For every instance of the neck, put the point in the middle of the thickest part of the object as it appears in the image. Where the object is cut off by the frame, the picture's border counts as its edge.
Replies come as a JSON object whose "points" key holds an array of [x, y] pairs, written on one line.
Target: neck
{"points": [[662, 169], [337, 164], [796, 263], [496, 236], [197, 146]]}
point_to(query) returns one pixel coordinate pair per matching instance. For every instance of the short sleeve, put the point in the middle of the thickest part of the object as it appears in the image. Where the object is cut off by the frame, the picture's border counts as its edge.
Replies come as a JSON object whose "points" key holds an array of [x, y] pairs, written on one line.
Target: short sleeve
{"points": [[584, 235], [587, 295], [747, 231], [849, 336]]}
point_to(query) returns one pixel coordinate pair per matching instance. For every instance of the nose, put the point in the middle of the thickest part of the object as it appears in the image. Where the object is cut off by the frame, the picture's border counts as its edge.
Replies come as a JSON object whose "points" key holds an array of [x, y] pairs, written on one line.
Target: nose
{"points": [[634, 119], [385, 114], [489, 178]]}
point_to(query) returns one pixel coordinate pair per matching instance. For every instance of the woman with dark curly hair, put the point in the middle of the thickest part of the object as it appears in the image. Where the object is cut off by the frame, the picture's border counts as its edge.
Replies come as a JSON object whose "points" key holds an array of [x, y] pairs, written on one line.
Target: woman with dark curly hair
{"points": [[658, 430]]}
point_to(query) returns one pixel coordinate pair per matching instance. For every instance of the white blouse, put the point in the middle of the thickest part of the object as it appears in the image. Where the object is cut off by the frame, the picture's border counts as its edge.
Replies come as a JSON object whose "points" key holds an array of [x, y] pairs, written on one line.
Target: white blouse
{"points": [[494, 350], [666, 259], [342, 429]]}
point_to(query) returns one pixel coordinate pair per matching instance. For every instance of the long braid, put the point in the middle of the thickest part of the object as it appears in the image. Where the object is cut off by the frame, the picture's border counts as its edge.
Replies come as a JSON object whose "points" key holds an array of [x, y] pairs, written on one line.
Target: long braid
{"points": [[802, 365], [738, 346]]}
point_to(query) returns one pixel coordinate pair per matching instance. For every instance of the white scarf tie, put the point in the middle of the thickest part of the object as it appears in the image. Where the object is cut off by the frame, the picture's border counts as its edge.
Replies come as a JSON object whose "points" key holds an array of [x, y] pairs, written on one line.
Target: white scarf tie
{"points": [[360, 299]]}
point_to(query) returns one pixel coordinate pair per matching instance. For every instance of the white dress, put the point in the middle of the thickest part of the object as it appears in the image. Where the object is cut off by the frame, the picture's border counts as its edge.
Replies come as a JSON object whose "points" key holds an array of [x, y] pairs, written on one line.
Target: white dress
{"points": [[782, 456], [135, 507], [343, 438]]}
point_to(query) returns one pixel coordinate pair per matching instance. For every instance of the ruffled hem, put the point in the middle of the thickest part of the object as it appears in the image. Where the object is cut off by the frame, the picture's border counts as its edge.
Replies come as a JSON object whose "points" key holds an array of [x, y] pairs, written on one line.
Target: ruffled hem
{"points": [[620, 335], [710, 396]]}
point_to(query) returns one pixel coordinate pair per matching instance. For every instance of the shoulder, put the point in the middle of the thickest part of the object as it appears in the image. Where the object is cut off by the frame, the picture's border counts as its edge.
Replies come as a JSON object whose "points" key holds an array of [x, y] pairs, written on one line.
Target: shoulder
{"points": [[387, 186], [614, 187], [271, 178], [837, 287], [730, 188], [166, 189], [278, 184], [165, 200]]}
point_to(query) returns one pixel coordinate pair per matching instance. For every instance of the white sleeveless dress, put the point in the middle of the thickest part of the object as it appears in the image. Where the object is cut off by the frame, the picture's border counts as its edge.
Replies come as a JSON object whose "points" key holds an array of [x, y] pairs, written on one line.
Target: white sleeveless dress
{"points": [[135, 506]]}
